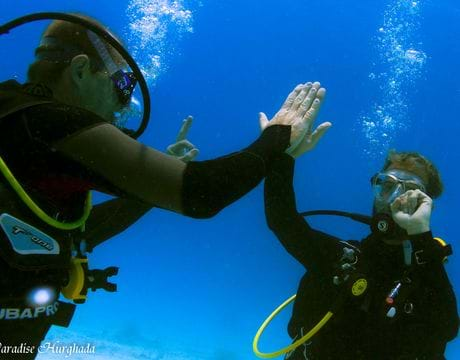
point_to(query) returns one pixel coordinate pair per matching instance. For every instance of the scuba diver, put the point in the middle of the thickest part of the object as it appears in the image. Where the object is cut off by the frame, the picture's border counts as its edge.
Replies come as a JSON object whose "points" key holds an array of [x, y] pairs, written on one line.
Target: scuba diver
{"points": [[59, 139], [385, 297]]}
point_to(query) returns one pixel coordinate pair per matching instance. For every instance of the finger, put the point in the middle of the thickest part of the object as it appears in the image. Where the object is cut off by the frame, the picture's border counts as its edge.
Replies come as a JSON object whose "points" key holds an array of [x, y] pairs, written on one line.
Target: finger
{"points": [[309, 100], [321, 94], [412, 202], [182, 146], [403, 203], [293, 95], [263, 121], [421, 195], [184, 129], [395, 206], [319, 132], [179, 148], [424, 201], [310, 116], [312, 113], [170, 150], [309, 142], [192, 154], [405, 206], [174, 151], [301, 97]]}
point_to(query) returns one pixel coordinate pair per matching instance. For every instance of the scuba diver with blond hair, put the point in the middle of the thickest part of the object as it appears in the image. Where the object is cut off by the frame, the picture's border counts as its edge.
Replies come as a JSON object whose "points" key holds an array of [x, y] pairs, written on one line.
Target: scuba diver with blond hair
{"points": [[60, 139], [385, 297]]}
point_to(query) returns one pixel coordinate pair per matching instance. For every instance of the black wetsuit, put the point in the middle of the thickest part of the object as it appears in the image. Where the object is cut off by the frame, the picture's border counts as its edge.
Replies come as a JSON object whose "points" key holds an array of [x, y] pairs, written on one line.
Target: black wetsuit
{"points": [[359, 329], [58, 153]]}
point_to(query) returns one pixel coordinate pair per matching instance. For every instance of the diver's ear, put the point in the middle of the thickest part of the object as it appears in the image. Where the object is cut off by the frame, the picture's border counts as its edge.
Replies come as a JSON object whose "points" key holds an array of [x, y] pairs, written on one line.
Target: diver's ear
{"points": [[80, 68]]}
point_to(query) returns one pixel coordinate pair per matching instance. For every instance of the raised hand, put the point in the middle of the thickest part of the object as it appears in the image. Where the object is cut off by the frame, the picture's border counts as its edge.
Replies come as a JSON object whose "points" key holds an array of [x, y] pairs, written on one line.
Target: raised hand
{"points": [[182, 148], [299, 111], [311, 137]]}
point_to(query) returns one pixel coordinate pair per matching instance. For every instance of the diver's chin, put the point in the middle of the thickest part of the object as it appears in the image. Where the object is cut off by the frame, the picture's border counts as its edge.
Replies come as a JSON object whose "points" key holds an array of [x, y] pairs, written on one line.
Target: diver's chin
{"points": [[380, 208]]}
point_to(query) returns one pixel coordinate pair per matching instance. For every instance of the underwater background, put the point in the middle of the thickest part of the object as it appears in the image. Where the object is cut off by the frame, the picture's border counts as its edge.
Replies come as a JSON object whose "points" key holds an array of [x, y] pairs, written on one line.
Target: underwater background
{"points": [[199, 289]]}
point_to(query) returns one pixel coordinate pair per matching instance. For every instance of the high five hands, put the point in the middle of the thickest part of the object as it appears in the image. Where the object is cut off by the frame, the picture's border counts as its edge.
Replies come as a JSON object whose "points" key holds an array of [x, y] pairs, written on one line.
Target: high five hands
{"points": [[300, 111]]}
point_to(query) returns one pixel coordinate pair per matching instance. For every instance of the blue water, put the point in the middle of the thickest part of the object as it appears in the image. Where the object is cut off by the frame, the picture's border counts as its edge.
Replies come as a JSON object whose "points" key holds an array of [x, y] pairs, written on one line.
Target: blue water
{"points": [[199, 289]]}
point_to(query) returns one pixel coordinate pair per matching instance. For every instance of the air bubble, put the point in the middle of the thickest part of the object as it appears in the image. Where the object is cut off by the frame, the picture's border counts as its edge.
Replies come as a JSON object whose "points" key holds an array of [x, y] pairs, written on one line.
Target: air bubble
{"points": [[415, 56], [154, 26], [401, 64]]}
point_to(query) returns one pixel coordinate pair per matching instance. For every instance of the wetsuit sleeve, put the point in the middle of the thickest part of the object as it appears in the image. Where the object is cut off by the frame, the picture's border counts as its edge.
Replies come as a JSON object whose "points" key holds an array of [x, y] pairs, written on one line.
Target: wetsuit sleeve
{"points": [[314, 249], [197, 189], [110, 218], [212, 185]]}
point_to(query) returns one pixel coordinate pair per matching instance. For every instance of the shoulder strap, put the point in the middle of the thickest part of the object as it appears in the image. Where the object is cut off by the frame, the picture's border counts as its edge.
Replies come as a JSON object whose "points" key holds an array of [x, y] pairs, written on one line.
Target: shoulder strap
{"points": [[438, 250]]}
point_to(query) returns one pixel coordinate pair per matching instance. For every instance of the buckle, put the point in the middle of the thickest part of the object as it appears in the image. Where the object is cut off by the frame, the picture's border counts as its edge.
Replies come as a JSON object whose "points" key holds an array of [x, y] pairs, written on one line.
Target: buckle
{"points": [[418, 258]]}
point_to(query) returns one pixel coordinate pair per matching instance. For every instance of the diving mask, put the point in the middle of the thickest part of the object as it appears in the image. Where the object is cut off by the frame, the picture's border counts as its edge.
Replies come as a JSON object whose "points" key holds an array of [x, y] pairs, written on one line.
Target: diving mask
{"points": [[390, 184], [123, 81]]}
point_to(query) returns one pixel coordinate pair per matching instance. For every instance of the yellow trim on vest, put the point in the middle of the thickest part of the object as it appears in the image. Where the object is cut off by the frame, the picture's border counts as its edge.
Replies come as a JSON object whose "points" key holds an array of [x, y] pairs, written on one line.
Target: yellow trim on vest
{"points": [[443, 243]]}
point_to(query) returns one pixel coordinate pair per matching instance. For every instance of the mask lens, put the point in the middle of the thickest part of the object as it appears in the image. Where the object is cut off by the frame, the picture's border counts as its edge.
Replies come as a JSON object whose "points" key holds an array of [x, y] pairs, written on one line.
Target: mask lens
{"points": [[386, 188]]}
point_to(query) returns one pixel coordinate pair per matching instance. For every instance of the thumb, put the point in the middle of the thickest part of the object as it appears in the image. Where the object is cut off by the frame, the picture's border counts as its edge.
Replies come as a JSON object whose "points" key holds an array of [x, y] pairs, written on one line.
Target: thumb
{"points": [[319, 132], [395, 206], [263, 121]]}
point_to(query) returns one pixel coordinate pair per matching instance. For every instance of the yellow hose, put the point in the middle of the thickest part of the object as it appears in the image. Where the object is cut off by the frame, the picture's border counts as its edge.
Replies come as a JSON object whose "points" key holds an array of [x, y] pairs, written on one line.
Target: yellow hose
{"points": [[296, 344], [39, 212], [73, 290]]}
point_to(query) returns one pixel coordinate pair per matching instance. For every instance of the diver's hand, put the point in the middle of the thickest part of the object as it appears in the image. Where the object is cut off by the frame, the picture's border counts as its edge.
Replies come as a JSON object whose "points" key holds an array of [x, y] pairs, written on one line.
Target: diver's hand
{"points": [[182, 148], [299, 111], [311, 137], [412, 211]]}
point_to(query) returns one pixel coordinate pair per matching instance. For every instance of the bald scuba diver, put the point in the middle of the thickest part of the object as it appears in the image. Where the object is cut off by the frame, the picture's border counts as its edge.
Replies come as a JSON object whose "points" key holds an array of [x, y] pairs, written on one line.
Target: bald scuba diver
{"points": [[385, 297], [59, 140]]}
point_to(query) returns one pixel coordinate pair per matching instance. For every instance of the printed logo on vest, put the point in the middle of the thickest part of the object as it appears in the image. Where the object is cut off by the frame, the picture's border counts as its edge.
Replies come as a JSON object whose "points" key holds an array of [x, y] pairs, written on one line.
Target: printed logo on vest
{"points": [[29, 313], [26, 239]]}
